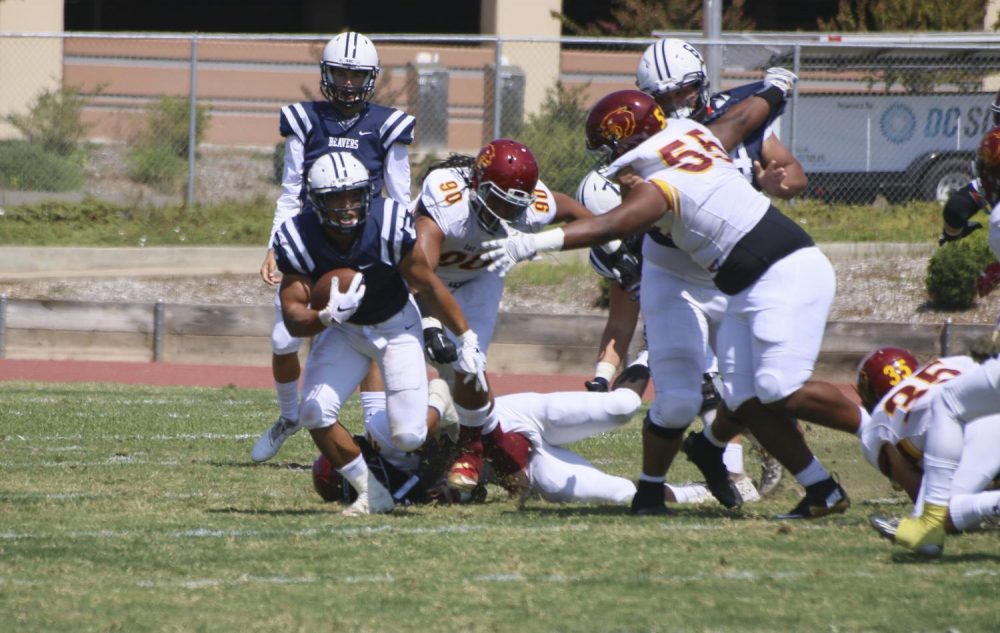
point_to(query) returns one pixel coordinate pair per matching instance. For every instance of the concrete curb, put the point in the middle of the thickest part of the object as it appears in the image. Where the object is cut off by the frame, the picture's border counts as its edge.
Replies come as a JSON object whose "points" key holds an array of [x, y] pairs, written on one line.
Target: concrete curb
{"points": [[29, 262]]}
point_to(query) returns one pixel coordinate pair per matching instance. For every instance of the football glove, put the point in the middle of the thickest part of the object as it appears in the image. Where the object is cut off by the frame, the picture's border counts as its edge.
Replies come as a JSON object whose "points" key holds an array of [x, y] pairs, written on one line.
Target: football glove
{"points": [[969, 227], [627, 268], [504, 253], [439, 348], [597, 383], [343, 305], [780, 78], [471, 361], [988, 279]]}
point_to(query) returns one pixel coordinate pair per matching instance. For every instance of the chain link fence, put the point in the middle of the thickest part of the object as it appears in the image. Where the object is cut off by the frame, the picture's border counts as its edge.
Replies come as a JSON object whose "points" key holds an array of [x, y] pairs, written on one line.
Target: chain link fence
{"points": [[194, 118]]}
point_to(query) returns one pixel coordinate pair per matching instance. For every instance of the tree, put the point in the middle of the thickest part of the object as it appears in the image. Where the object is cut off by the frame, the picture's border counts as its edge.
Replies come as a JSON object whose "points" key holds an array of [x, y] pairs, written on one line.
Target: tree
{"points": [[639, 18], [906, 15]]}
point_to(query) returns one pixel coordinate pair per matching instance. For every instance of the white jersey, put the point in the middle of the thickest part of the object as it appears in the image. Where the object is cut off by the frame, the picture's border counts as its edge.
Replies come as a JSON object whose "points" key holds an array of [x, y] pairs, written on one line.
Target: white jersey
{"points": [[901, 418], [445, 195], [711, 206], [994, 231]]}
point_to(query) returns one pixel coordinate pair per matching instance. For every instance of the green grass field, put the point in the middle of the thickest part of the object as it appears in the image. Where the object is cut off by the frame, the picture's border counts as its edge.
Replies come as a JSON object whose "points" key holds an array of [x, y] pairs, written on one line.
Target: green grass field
{"points": [[134, 509]]}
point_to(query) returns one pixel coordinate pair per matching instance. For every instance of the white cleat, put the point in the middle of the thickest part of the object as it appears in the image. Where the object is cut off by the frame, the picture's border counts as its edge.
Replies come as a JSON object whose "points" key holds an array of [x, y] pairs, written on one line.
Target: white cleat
{"points": [[375, 500], [268, 444], [439, 397], [746, 489]]}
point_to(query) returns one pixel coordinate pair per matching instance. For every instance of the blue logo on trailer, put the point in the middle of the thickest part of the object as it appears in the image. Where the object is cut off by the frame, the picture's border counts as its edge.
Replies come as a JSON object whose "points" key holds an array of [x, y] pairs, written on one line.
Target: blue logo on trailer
{"points": [[898, 123]]}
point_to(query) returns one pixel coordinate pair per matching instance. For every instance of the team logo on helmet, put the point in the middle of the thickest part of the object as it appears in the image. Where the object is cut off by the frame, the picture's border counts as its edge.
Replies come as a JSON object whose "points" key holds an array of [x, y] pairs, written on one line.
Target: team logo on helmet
{"points": [[989, 149], [619, 123], [486, 156]]}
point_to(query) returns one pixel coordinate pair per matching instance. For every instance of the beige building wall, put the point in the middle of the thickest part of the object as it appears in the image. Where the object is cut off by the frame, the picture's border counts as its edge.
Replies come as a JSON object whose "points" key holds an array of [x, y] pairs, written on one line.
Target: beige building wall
{"points": [[530, 18], [28, 65]]}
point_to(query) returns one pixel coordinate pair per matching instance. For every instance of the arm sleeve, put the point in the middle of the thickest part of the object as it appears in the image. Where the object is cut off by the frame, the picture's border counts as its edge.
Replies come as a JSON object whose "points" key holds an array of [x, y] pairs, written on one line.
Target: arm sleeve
{"points": [[397, 173], [962, 204], [289, 203]]}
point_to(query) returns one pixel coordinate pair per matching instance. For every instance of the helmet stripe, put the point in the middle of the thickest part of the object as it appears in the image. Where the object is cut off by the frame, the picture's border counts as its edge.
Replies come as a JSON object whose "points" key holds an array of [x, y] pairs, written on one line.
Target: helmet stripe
{"points": [[663, 73]]}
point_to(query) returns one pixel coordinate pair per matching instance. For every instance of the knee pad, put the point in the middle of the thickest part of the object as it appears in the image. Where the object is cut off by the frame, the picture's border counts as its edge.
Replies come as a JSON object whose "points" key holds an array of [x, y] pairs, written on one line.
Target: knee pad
{"points": [[622, 404], [675, 410], [769, 388], [311, 415], [282, 342], [408, 441], [662, 431]]}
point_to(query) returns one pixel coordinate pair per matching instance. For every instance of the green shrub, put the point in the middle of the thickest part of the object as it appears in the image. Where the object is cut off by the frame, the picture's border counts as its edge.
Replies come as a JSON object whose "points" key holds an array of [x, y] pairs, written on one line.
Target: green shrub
{"points": [[952, 271], [53, 121], [555, 136], [159, 152], [167, 123], [26, 166], [157, 166]]}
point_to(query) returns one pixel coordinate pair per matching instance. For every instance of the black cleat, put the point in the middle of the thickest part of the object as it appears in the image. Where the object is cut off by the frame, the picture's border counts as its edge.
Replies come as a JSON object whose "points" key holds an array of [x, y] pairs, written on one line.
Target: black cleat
{"points": [[822, 499], [649, 500], [708, 459]]}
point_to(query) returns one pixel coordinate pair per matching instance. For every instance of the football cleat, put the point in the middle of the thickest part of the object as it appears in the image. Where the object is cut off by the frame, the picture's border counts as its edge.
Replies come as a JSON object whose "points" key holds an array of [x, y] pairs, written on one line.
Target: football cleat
{"points": [[708, 458], [439, 397], [375, 500], [748, 492], [463, 475], [771, 470], [885, 526], [268, 444], [924, 534], [822, 499], [649, 500]]}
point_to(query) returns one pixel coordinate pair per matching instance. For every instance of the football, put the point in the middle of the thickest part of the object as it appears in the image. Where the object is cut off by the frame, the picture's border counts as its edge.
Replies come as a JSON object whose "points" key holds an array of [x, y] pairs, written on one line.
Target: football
{"points": [[320, 295]]}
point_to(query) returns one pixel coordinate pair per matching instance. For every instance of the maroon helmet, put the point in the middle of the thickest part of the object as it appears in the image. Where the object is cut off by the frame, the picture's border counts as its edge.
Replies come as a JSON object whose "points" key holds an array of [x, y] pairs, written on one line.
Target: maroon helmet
{"points": [[988, 166], [622, 120], [880, 371], [503, 182], [329, 484]]}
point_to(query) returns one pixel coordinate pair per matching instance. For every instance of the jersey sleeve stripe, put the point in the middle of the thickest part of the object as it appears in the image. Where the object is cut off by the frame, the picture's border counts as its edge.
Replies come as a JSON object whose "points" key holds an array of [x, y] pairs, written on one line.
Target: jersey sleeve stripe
{"points": [[390, 241], [669, 192], [396, 127], [295, 114], [296, 251]]}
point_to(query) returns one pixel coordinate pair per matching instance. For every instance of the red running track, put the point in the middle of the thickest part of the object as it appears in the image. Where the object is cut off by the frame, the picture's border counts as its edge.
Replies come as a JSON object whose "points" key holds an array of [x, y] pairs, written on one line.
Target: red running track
{"points": [[221, 375], [170, 374]]}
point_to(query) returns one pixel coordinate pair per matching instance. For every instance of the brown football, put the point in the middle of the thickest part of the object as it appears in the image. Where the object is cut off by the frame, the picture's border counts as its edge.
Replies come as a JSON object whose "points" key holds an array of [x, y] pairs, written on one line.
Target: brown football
{"points": [[320, 295]]}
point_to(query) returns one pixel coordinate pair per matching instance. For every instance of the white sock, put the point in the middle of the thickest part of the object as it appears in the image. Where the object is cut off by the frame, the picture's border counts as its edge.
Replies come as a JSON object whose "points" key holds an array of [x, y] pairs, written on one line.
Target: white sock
{"points": [[651, 478], [732, 457], [812, 474], [288, 399], [967, 510], [483, 417], [356, 473], [371, 403], [684, 494]]}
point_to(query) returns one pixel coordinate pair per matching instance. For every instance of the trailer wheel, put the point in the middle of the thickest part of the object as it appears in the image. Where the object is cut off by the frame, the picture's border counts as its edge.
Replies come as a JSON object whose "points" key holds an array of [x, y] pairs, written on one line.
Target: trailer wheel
{"points": [[945, 177]]}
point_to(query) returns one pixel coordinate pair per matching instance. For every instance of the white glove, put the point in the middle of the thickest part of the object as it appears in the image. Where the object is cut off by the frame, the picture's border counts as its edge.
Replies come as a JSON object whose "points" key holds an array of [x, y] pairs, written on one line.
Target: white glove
{"points": [[505, 252], [780, 78], [343, 305], [471, 361]]}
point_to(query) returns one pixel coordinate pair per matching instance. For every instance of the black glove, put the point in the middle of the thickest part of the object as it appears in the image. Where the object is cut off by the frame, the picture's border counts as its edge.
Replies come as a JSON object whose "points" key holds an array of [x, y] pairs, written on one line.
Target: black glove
{"points": [[969, 227], [596, 384], [627, 268], [439, 348]]}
